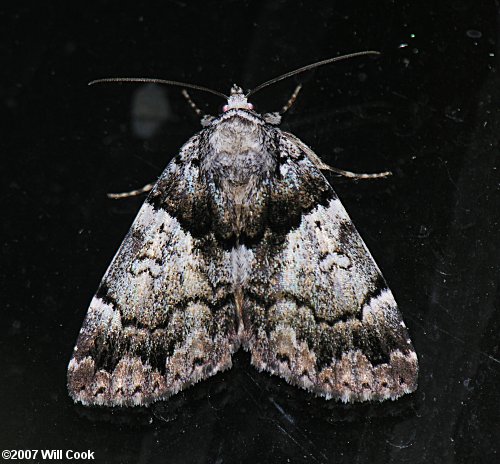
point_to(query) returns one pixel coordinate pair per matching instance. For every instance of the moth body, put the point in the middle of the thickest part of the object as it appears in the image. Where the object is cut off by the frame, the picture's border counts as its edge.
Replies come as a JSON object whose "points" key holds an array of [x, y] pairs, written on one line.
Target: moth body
{"points": [[242, 242]]}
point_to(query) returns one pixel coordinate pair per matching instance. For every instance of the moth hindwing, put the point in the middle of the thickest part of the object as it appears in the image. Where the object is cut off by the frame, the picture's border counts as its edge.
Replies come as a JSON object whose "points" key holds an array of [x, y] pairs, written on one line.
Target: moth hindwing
{"points": [[242, 242]]}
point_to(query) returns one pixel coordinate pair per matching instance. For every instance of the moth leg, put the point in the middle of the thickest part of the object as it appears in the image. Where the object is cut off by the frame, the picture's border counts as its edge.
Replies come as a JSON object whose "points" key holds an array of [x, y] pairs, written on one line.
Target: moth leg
{"points": [[316, 160], [356, 175], [291, 100], [132, 193], [192, 104]]}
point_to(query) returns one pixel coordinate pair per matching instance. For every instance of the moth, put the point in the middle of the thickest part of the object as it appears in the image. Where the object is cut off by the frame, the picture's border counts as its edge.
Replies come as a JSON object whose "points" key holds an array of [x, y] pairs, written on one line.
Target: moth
{"points": [[242, 242]]}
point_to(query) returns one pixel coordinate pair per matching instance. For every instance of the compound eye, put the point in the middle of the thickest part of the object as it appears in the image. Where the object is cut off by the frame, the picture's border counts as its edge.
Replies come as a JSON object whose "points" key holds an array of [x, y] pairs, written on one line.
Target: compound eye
{"points": [[249, 106], [225, 108]]}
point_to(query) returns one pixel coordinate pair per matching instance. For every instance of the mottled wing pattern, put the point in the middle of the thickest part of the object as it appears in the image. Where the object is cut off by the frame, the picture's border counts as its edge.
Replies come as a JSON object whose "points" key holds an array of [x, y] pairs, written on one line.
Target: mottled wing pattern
{"points": [[163, 317], [317, 309]]}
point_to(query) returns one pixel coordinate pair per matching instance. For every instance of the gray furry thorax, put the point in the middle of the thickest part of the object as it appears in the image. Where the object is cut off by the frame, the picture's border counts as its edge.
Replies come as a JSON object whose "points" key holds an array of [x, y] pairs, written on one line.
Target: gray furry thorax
{"points": [[238, 161]]}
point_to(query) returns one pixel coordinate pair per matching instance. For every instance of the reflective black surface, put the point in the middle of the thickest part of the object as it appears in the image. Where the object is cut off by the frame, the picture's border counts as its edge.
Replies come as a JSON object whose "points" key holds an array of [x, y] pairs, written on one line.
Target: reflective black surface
{"points": [[427, 110]]}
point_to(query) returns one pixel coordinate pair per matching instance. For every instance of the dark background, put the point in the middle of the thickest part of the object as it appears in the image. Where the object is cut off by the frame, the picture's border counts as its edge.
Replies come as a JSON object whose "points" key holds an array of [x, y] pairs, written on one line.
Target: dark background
{"points": [[427, 109]]}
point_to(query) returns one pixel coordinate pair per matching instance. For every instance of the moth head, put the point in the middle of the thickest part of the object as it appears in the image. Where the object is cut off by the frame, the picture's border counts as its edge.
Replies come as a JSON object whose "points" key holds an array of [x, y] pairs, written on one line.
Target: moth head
{"points": [[237, 99]]}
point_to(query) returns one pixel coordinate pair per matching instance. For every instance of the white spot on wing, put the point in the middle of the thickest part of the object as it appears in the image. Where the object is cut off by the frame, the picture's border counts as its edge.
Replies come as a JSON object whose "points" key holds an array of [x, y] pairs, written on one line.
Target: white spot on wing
{"points": [[334, 259], [380, 308], [102, 315]]}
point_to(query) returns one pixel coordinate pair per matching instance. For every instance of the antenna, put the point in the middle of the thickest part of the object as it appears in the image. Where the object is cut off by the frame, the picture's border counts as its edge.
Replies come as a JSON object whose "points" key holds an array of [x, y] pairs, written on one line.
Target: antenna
{"points": [[220, 94], [158, 81], [309, 67]]}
